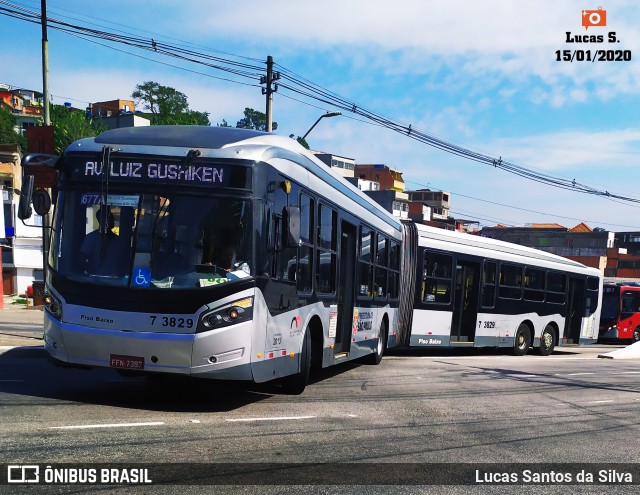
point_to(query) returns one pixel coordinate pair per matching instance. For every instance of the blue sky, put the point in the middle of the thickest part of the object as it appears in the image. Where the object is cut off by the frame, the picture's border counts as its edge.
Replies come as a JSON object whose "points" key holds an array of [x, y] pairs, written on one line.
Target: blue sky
{"points": [[482, 75]]}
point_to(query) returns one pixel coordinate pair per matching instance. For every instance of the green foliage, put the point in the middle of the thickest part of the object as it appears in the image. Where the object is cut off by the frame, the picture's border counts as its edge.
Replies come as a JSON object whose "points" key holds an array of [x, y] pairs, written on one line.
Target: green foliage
{"points": [[8, 135], [302, 141], [70, 125], [190, 117], [224, 124], [253, 119], [167, 105]]}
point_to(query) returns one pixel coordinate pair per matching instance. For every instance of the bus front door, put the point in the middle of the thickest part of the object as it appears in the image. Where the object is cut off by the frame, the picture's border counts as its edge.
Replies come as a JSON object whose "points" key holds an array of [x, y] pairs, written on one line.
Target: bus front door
{"points": [[465, 303], [346, 287]]}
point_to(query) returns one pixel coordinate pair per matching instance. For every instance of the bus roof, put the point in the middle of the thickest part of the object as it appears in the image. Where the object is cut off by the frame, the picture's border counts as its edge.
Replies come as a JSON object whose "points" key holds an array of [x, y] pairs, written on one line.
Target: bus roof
{"points": [[469, 241]]}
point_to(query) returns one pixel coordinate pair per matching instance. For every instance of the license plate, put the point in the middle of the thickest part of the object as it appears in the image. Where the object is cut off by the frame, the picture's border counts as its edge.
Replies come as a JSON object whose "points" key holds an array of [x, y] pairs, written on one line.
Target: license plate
{"points": [[126, 362]]}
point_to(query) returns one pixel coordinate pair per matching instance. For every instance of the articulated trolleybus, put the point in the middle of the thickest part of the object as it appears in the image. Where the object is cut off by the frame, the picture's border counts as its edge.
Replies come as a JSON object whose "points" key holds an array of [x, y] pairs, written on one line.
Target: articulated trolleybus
{"points": [[217, 253], [480, 292]]}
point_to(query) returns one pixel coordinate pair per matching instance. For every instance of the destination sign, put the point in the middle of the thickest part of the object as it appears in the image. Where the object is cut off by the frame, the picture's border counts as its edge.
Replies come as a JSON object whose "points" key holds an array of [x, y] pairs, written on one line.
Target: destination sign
{"points": [[209, 174]]}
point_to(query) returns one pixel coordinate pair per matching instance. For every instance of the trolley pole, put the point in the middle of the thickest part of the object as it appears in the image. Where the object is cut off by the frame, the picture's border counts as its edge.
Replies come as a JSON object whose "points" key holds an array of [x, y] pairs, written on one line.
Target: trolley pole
{"points": [[269, 90]]}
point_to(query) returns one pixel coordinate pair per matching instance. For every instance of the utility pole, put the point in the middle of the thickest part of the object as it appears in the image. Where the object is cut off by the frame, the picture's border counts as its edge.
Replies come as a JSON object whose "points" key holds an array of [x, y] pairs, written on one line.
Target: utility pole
{"points": [[46, 220], [269, 90], [45, 62]]}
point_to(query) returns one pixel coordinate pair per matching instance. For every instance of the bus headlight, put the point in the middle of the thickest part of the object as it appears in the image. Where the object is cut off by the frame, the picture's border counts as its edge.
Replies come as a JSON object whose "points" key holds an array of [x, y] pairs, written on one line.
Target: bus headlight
{"points": [[53, 305], [230, 314]]}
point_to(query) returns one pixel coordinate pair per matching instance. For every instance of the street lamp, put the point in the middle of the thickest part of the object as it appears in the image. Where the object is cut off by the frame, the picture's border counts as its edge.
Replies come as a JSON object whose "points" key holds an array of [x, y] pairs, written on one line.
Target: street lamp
{"points": [[328, 114]]}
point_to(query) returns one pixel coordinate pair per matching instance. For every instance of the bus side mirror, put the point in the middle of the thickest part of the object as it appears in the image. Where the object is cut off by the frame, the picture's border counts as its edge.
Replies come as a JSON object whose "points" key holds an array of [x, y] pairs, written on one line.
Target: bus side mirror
{"points": [[26, 193], [293, 226]]}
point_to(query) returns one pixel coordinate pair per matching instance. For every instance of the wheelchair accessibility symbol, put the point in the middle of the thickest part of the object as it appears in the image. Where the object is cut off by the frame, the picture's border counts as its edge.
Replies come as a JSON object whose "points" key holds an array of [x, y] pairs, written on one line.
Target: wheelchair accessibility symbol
{"points": [[141, 277]]}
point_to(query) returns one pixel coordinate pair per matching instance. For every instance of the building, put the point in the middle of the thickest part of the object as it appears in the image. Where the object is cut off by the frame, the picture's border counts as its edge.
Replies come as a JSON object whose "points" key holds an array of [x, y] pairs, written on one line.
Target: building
{"points": [[21, 244], [389, 180], [25, 104], [580, 243], [340, 164], [390, 187], [110, 108], [117, 113], [437, 201]]}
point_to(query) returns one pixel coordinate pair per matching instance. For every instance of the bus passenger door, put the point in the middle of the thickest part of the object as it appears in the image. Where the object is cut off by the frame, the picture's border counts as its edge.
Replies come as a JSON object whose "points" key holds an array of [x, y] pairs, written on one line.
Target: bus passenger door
{"points": [[575, 311], [346, 287], [465, 304]]}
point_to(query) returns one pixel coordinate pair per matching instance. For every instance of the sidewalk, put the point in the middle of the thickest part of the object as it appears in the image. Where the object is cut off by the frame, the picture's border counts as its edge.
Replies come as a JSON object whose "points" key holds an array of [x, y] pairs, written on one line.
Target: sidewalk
{"points": [[20, 326]]}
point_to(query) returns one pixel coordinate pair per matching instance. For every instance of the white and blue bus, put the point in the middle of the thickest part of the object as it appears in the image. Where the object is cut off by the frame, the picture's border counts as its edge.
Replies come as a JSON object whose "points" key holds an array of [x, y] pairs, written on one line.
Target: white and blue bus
{"points": [[471, 291], [217, 253]]}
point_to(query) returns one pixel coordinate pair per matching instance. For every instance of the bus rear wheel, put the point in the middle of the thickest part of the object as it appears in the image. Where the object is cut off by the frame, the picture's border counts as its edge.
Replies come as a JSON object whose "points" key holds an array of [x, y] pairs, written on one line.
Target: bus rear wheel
{"points": [[376, 357], [522, 340], [547, 341], [296, 383], [636, 334]]}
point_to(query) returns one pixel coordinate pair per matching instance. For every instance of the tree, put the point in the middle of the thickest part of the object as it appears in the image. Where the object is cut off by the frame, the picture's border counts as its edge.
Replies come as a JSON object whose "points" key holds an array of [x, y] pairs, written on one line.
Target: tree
{"points": [[253, 119], [190, 117], [167, 105], [159, 99], [8, 134], [70, 125], [302, 141]]}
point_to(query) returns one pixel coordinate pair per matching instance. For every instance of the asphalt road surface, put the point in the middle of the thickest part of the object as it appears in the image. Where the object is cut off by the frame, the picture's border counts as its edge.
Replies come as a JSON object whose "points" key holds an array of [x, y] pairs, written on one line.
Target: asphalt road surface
{"points": [[412, 412]]}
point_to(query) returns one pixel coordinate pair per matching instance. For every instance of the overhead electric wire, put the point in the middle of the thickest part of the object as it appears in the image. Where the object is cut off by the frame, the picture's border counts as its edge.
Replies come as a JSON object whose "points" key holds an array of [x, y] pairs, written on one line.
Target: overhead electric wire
{"points": [[307, 89]]}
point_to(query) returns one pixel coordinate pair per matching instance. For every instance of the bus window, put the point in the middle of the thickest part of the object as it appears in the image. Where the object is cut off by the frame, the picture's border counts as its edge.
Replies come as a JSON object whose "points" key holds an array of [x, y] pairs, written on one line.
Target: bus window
{"points": [[556, 288], [305, 253], [326, 252], [380, 286], [394, 269], [365, 266], [489, 284], [436, 281], [534, 284], [510, 281]]}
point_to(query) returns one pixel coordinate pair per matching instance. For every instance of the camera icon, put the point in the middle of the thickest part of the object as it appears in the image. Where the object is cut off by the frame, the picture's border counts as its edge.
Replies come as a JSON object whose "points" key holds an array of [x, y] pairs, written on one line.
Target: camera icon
{"points": [[594, 18], [23, 473]]}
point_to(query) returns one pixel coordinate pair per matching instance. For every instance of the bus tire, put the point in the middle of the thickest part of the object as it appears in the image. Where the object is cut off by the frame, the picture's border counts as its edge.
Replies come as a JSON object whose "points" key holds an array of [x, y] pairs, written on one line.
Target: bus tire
{"points": [[522, 341], [376, 357], [296, 383], [636, 334], [547, 341]]}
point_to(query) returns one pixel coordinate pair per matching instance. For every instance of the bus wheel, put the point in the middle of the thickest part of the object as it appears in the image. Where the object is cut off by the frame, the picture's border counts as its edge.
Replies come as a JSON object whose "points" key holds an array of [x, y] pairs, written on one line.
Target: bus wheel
{"points": [[296, 383], [522, 340], [547, 341], [376, 357], [636, 334]]}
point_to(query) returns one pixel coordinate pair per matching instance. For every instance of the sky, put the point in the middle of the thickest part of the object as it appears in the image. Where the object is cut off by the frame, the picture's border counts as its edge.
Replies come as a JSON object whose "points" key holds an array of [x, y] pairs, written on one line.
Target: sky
{"points": [[481, 75]]}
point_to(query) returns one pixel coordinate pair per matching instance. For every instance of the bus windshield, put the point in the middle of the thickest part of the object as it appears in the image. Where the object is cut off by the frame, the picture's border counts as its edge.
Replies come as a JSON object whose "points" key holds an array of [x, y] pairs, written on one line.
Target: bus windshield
{"points": [[148, 239], [610, 304]]}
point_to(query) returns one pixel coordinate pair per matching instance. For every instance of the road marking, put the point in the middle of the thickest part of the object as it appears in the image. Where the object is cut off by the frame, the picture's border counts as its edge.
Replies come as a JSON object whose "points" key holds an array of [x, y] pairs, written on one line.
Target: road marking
{"points": [[576, 374], [627, 373], [599, 402], [276, 418], [116, 425]]}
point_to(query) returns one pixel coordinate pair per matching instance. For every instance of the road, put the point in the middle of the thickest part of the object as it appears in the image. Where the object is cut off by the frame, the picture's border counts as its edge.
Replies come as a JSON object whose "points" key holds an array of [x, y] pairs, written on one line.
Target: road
{"points": [[464, 407]]}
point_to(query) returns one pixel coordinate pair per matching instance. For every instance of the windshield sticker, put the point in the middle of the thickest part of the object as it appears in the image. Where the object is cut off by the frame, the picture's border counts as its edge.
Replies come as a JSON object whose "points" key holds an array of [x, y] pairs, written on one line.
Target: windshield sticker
{"points": [[164, 171], [141, 277], [90, 199], [206, 282]]}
